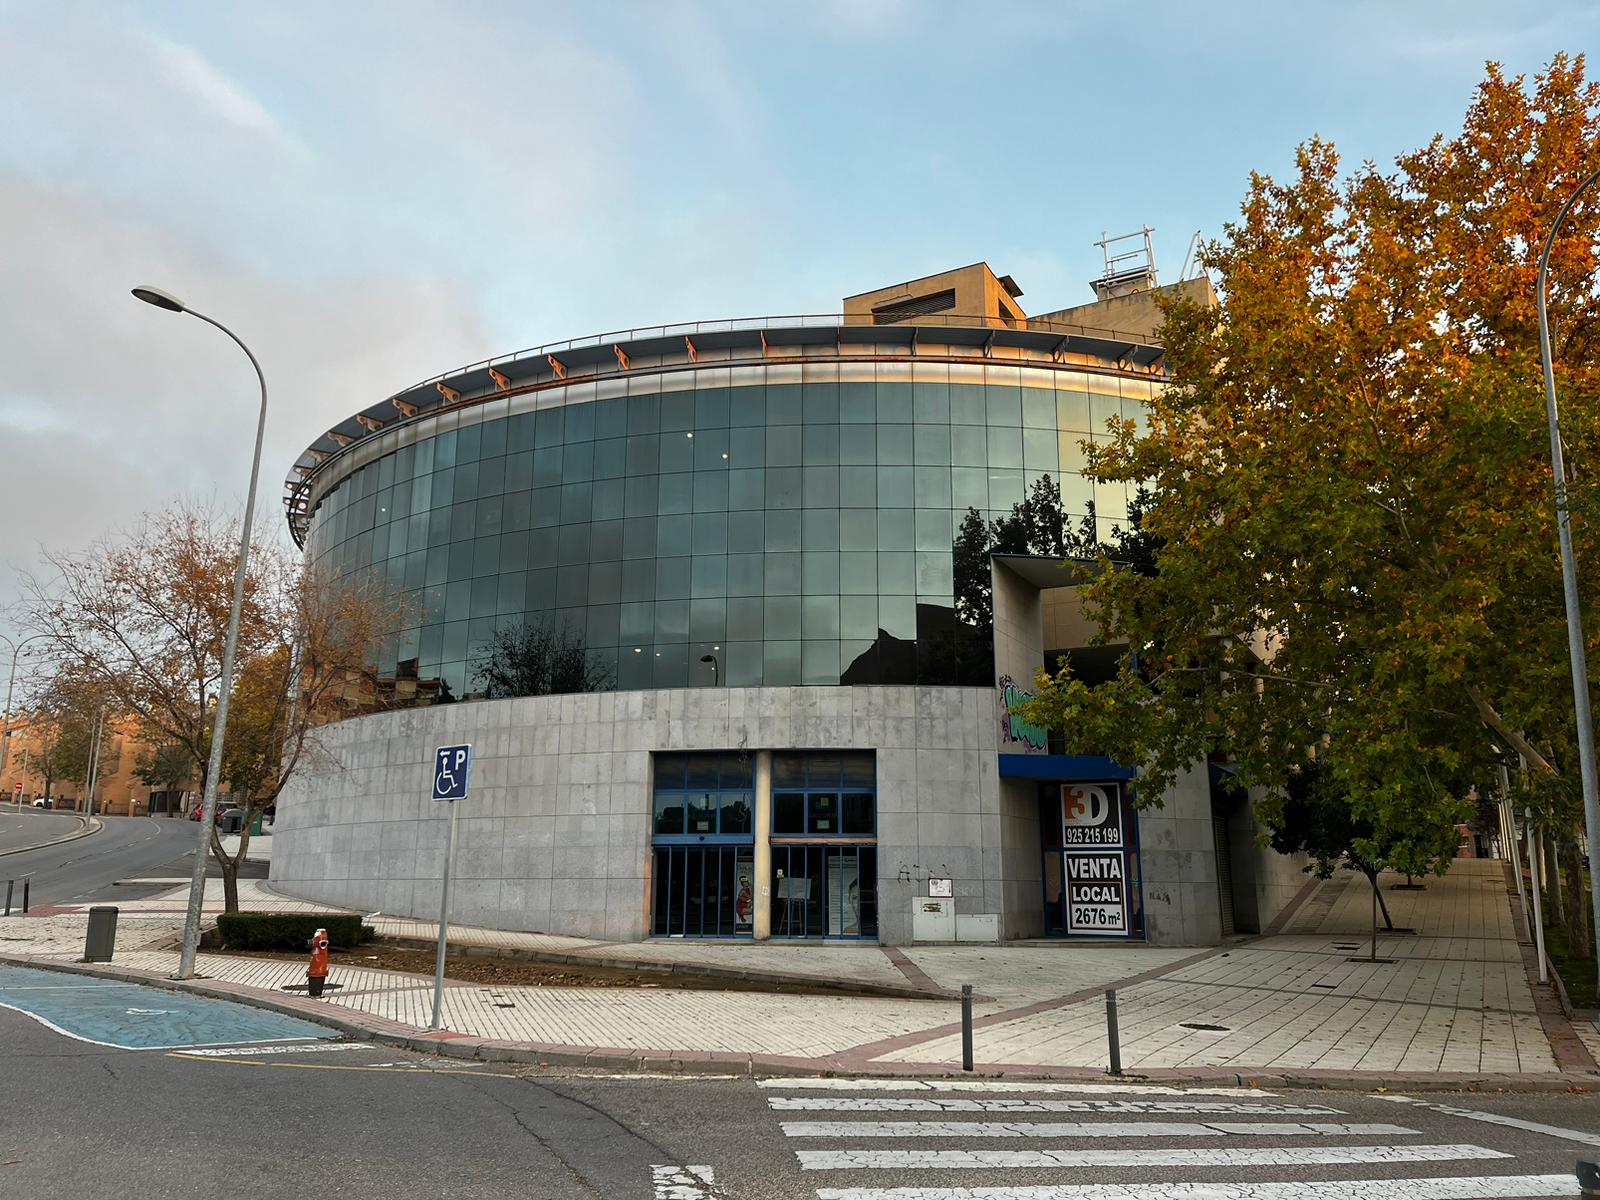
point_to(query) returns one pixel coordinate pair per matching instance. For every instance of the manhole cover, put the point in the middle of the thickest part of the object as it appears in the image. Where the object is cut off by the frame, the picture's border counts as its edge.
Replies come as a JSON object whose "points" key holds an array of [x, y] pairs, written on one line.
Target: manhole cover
{"points": [[1202, 1025]]}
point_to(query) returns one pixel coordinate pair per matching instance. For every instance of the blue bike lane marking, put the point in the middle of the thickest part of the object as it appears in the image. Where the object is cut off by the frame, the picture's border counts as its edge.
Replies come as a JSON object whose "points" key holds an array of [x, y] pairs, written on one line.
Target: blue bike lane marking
{"points": [[130, 1016]]}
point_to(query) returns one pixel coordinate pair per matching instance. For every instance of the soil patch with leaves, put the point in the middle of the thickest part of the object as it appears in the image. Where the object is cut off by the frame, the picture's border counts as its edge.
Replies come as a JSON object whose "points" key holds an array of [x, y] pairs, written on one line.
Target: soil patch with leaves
{"points": [[526, 973]]}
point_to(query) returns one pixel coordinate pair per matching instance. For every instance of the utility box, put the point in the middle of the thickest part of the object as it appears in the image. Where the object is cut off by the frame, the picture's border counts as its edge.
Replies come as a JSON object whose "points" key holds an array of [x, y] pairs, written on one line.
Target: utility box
{"points": [[933, 920], [978, 927], [101, 940]]}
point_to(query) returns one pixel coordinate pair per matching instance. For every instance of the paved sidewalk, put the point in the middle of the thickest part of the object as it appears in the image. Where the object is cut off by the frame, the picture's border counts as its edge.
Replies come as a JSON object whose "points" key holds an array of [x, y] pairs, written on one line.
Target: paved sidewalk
{"points": [[1449, 1004]]}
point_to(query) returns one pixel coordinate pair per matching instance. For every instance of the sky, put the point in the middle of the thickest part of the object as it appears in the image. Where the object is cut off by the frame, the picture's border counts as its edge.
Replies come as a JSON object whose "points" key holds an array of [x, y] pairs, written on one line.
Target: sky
{"points": [[372, 194]]}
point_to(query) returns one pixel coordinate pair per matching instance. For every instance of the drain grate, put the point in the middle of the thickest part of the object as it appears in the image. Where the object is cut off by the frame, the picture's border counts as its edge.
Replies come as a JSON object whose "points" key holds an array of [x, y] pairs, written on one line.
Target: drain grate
{"points": [[1202, 1025]]}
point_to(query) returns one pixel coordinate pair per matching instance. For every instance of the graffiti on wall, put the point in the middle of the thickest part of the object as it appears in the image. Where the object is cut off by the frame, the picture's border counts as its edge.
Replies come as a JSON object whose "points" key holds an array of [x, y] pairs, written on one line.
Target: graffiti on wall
{"points": [[1014, 731]]}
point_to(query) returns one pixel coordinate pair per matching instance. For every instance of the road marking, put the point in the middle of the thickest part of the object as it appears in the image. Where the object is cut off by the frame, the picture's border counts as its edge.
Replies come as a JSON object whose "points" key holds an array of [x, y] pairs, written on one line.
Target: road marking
{"points": [[953, 1104], [1083, 1129], [78, 1037], [1276, 1156], [682, 1183], [1482, 1187], [823, 1083], [1571, 1135], [279, 1048]]}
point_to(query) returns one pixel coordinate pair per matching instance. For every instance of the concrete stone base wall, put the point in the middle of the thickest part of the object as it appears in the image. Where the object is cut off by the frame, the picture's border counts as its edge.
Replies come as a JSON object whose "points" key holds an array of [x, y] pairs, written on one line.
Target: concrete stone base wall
{"points": [[1178, 863], [556, 835]]}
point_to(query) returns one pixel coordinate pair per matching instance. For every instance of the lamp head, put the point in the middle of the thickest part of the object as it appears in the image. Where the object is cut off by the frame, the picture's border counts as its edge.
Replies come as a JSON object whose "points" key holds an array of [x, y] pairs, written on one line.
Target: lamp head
{"points": [[707, 658], [158, 298]]}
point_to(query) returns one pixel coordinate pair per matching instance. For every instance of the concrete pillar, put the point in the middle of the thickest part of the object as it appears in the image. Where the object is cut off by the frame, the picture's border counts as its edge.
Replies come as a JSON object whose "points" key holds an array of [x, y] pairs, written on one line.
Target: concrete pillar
{"points": [[762, 924]]}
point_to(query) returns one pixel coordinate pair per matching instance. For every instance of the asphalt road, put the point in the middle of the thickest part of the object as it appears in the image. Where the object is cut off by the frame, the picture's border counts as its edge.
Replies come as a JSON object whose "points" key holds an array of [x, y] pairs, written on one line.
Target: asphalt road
{"points": [[85, 869], [293, 1116], [31, 826]]}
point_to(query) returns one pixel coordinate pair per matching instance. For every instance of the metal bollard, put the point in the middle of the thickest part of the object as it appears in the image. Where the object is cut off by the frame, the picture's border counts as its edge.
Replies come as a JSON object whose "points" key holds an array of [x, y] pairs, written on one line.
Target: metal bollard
{"points": [[1588, 1179], [966, 1027], [1111, 1031], [27, 885], [10, 885]]}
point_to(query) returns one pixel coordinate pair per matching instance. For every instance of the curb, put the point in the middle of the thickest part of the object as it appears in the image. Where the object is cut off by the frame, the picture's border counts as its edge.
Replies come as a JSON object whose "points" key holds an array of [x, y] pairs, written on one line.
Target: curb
{"points": [[86, 826], [695, 1062]]}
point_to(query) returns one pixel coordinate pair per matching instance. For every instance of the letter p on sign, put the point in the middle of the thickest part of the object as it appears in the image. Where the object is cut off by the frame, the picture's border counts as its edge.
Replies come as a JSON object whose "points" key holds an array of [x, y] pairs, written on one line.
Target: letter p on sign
{"points": [[452, 768]]}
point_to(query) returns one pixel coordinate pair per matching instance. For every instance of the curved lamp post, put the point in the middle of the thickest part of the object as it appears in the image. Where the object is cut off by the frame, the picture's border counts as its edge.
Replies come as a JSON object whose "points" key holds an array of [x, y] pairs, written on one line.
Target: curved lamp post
{"points": [[5, 736], [716, 669], [1569, 573], [208, 813]]}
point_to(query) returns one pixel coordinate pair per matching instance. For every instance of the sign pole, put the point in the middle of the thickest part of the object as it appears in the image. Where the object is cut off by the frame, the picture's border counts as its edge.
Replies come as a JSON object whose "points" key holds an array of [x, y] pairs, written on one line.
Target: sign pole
{"points": [[452, 776], [444, 924]]}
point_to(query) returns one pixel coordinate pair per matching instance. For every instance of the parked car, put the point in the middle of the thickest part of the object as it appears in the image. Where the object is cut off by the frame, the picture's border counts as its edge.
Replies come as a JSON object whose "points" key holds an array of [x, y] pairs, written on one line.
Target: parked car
{"points": [[40, 802], [199, 811]]}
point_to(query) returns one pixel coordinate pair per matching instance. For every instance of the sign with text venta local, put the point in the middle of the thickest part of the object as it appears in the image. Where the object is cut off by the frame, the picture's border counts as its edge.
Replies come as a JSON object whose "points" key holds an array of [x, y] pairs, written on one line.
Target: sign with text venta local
{"points": [[1096, 858], [452, 769]]}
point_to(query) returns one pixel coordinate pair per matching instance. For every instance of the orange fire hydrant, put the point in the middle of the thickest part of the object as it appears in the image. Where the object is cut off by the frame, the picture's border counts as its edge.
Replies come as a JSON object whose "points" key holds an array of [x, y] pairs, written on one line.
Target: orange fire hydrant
{"points": [[317, 972]]}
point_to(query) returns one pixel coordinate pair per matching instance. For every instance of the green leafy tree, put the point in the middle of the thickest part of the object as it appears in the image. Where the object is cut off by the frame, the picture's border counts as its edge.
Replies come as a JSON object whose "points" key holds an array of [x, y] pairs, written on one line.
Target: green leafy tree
{"points": [[1350, 500], [63, 717], [163, 766]]}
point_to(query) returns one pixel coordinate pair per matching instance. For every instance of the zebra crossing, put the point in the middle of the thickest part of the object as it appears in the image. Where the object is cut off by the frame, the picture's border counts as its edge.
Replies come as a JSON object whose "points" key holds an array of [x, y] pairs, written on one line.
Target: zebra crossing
{"points": [[1116, 1136]]}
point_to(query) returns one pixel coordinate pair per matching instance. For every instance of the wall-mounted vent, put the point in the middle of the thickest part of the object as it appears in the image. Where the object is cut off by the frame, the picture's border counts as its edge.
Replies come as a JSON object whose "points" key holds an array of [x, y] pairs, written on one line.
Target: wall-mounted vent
{"points": [[917, 306]]}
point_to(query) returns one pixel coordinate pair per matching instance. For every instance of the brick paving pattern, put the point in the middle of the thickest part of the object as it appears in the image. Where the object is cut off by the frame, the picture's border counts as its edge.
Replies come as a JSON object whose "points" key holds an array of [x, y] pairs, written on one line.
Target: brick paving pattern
{"points": [[1452, 998]]}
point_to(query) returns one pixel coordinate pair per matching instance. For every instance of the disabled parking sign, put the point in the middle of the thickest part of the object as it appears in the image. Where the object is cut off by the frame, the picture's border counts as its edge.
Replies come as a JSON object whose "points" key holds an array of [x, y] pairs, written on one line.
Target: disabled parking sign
{"points": [[452, 769]]}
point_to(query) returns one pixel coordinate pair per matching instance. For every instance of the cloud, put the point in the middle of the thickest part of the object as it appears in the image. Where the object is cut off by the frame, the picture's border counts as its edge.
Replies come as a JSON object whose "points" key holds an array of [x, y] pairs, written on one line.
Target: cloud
{"points": [[109, 407], [199, 78]]}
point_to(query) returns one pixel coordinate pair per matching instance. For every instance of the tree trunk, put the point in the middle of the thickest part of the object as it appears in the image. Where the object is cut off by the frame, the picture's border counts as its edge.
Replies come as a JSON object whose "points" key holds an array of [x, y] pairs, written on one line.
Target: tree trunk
{"points": [[1575, 910], [1388, 922], [230, 885]]}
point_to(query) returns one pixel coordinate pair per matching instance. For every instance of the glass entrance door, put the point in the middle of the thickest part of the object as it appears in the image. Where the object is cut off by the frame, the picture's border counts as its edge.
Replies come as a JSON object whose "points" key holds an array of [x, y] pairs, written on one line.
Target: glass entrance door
{"points": [[702, 854], [703, 891], [825, 891]]}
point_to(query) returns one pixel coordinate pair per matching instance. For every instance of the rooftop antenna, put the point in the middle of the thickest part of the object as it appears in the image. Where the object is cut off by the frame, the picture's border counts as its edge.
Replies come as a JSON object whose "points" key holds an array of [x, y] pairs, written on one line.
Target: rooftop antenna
{"points": [[1130, 264]]}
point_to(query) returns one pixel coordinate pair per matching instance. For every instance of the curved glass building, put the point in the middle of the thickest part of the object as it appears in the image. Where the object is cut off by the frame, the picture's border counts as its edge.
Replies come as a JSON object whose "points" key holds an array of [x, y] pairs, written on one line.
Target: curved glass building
{"points": [[756, 530]]}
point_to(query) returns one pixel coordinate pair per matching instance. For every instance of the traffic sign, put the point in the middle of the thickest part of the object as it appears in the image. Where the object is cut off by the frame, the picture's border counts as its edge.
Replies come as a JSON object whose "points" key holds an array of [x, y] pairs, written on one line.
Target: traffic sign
{"points": [[452, 771]]}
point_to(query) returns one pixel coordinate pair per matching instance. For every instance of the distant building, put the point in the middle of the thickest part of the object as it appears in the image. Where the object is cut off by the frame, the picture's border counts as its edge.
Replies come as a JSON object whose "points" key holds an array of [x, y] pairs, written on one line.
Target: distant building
{"points": [[118, 789], [796, 722]]}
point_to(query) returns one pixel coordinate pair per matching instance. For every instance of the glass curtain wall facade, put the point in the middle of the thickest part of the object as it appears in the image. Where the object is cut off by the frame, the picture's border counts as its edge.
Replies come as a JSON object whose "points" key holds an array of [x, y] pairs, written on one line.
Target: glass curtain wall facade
{"points": [[794, 523]]}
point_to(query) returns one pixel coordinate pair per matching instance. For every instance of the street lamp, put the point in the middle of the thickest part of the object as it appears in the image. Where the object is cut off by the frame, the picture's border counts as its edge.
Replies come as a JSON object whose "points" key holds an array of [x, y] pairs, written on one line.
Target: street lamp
{"points": [[208, 811], [5, 737], [716, 669], [1569, 575]]}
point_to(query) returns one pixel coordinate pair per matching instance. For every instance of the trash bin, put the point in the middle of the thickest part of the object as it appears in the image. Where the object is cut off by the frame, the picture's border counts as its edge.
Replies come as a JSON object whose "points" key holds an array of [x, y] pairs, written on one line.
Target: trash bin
{"points": [[233, 820], [101, 939], [255, 826]]}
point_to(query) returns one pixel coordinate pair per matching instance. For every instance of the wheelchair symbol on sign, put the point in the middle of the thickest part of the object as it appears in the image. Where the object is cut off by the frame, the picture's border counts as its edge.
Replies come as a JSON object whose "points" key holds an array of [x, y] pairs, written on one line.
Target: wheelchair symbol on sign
{"points": [[452, 771]]}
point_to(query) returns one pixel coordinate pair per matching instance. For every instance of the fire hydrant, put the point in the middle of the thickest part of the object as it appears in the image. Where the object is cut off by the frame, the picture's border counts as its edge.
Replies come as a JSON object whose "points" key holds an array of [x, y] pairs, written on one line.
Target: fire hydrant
{"points": [[317, 972]]}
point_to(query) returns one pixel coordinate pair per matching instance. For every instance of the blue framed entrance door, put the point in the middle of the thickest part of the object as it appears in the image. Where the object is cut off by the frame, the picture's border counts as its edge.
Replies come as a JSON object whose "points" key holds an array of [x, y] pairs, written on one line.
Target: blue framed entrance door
{"points": [[702, 853]]}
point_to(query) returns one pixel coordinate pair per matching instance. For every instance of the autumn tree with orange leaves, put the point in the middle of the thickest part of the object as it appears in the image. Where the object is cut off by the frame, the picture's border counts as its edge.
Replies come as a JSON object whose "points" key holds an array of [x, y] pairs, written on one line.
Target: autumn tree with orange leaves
{"points": [[1351, 480], [147, 614]]}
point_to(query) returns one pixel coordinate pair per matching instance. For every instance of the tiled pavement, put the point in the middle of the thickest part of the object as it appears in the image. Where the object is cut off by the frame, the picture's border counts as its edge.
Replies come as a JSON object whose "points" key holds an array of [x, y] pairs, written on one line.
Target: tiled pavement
{"points": [[1452, 998]]}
